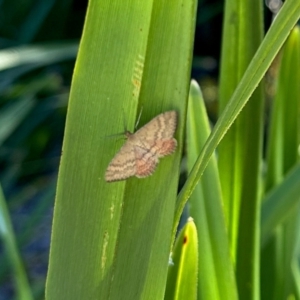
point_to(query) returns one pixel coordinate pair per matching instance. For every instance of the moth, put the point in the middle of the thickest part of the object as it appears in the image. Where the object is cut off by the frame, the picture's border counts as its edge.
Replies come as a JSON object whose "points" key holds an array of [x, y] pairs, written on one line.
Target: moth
{"points": [[140, 154]]}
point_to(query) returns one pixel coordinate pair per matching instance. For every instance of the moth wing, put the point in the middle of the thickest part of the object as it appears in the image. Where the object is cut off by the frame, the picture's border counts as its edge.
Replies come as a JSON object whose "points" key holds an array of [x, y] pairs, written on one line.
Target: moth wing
{"points": [[164, 147], [161, 127], [123, 165], [146, 162], [157, 135]]}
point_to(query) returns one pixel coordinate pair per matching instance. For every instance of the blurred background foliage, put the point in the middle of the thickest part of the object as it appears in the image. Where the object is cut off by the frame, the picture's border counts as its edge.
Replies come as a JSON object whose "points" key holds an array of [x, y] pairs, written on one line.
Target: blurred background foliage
{"points": [[38, 46]]}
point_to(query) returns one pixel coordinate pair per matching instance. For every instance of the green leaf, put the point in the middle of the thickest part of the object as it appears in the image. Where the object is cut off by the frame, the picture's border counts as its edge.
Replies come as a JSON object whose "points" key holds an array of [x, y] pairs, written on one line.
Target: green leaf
{"points": [[183, 271], [23, 290], [282, 155], [12, 115], [284, 132], [279, 203], [246, 251], [38, 55], [285, 20], [296, 277], [216, 278], [112, 240], [241, 149]]}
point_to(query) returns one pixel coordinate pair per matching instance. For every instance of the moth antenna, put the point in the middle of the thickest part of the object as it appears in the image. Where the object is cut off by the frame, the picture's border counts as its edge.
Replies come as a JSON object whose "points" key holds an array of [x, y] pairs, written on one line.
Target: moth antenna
{"points": [[138, 120], [120, 134]]}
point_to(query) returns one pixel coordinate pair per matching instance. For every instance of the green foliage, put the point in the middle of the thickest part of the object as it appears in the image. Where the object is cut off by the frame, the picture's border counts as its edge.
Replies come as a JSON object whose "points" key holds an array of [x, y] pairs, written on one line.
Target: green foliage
{"points": [[121, 231], [33, 102], [216, 273], [281, 250], [7, 234], [183, 269], [113, 240]]}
